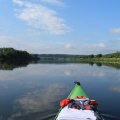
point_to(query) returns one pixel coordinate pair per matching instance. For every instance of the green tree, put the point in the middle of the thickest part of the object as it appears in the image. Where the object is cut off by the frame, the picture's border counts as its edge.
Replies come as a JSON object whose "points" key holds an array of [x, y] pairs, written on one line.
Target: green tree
{"points": [[99, 55]]}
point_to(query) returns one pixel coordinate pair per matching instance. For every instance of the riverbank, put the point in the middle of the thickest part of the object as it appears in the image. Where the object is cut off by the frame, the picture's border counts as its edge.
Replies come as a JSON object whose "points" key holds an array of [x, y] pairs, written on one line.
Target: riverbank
{"points": [[18, 57], [113, 62], [99, 61]]}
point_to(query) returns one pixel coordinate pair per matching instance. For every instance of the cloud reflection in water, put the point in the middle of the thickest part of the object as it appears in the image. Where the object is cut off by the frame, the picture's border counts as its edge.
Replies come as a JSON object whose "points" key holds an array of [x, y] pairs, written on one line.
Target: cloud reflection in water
{"points": [[115, 88], [39, 100]]}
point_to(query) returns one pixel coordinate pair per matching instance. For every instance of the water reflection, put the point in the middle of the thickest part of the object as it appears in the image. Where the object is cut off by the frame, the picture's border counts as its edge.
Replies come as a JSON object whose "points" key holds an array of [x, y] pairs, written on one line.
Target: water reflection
{"points": [[41, 100], [46, 69], [13, 65], [38, 101], [17, 64], [34, 92]]}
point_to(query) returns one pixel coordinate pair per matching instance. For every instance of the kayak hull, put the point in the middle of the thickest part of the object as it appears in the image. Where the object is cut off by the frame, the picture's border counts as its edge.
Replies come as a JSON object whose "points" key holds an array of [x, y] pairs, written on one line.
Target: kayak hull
{"points": [[79, 91]]}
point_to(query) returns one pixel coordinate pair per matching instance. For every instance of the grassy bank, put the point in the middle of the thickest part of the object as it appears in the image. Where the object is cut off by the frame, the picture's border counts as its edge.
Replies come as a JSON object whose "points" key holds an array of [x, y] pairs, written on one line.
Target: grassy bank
{"points": [[101, 60], [112, 60]]}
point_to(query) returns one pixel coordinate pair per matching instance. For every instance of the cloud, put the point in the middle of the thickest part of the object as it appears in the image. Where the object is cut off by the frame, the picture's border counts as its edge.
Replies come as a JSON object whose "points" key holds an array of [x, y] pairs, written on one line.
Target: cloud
{"points": [[18, 2], [115, 30], [54, 2], [68, 46], [41, 17], [97, 45]]}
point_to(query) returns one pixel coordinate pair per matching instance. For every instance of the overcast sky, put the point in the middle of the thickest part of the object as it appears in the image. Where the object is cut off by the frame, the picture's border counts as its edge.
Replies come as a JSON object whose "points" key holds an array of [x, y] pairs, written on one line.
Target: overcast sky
{"points": [[60, 26]]}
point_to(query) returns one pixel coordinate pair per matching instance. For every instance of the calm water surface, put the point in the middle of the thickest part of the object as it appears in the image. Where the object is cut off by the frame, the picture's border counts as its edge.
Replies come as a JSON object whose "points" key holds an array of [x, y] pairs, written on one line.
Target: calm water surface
{"points": [[34, 92]]}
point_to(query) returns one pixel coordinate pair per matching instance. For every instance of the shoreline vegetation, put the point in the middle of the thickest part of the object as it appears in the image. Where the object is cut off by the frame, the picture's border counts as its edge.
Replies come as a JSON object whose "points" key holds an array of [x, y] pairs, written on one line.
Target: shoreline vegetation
{"points": [[109, 58], [10, 54], [112, 59], [11, 58]]}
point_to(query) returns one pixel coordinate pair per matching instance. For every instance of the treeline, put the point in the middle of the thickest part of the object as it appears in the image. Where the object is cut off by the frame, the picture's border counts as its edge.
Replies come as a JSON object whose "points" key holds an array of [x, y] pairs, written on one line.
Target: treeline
{"points": [[106, 58], [112, 55], [11, 58], [58, 56], [78, 57], [112, 59], [10, 54]]}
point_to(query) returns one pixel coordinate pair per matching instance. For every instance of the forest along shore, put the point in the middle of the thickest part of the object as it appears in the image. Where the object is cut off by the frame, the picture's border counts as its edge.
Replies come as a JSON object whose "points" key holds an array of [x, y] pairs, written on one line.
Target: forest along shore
{"points": [[11, 56], [112, 59]]}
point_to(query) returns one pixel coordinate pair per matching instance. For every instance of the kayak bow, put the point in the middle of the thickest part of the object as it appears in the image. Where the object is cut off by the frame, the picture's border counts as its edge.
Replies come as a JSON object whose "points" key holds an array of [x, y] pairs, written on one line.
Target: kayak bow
{"points": [[79, 91]]}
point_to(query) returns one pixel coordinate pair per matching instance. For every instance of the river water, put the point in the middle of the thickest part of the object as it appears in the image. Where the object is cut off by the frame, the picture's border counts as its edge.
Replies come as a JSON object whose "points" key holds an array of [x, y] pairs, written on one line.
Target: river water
{"points": [[33, 92]]}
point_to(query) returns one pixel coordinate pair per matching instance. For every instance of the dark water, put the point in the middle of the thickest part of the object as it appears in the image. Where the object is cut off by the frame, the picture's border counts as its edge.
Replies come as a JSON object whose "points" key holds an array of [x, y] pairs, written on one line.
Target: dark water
{"points": [[33, 92]]}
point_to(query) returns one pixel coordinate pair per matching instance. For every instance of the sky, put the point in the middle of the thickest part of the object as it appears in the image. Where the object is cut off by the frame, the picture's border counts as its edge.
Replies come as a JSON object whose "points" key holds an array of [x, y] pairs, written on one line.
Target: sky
{"points": [[60, 26]]}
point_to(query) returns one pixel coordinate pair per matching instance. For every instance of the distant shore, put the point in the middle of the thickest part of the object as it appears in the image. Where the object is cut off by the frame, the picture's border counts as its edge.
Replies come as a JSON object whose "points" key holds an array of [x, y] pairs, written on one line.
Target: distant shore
{"points": [[17, 57], [13, 54], [107, 58], [112, 59]]}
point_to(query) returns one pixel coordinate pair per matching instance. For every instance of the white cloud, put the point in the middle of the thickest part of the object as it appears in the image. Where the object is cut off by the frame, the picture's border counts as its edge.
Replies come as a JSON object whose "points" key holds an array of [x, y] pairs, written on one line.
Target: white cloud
{"points": [[18, 2], [54, 2], [97, 45], [41, 17], [115, 30], [68, 46]]}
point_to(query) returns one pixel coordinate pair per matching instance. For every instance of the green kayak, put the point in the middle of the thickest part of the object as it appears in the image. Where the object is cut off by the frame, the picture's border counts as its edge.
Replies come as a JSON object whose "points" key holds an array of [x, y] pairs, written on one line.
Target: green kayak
{"points": [[79, 91]]}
